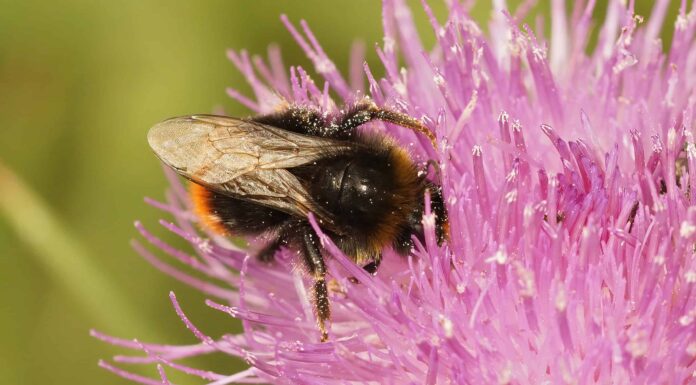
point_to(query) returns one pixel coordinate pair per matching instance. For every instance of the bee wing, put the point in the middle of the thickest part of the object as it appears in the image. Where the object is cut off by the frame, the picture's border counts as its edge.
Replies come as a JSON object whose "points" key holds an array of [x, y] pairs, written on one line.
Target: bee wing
{"points": [[242, 159]]}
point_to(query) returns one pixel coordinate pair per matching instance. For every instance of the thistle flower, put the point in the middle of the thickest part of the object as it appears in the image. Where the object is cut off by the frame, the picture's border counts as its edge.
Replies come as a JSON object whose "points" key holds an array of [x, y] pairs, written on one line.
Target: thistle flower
{"points": [[567, 173]]}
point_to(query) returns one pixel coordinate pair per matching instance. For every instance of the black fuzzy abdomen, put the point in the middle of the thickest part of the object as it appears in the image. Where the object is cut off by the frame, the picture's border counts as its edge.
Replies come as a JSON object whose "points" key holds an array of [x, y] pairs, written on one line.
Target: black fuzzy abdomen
{"points": [[242, 217]]}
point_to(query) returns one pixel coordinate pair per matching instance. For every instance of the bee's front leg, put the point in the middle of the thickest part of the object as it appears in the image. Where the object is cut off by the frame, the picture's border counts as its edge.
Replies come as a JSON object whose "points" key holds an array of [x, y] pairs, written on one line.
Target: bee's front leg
{"points": [[314, 262]]}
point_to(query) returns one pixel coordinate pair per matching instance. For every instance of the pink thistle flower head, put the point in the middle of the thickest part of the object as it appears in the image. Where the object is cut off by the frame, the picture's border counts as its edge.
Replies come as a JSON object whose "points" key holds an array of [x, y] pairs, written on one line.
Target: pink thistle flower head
{"points": [[568, 178]]}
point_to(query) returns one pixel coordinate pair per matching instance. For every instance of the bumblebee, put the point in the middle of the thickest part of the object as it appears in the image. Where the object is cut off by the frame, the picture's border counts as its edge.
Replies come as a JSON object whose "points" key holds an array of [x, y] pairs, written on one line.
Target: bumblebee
{"points": [[265, 174]]}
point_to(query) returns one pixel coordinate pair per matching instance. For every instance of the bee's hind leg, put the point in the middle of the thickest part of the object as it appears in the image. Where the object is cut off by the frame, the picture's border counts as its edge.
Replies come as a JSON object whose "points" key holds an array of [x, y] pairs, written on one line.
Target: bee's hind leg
{"points": [[314, 262]]}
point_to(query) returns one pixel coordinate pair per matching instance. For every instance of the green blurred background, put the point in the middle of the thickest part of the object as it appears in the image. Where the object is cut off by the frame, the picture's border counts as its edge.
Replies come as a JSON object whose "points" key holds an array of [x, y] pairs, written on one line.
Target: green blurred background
{"points": [[81, 81]]}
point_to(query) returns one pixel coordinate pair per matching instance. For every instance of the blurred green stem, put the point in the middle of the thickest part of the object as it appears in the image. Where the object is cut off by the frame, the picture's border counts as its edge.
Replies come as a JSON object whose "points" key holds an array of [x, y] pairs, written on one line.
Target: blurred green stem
{"points": [[64, 257]]}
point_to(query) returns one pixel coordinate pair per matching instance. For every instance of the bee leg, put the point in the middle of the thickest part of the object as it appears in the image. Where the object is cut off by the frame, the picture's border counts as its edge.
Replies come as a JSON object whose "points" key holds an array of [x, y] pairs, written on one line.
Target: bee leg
{"points": [[437, 203], [314, 262]]}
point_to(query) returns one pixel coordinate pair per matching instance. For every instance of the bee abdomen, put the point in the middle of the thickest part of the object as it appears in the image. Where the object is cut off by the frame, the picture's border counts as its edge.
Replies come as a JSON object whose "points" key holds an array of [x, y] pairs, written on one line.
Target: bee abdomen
{"points": [[229, 216]]}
